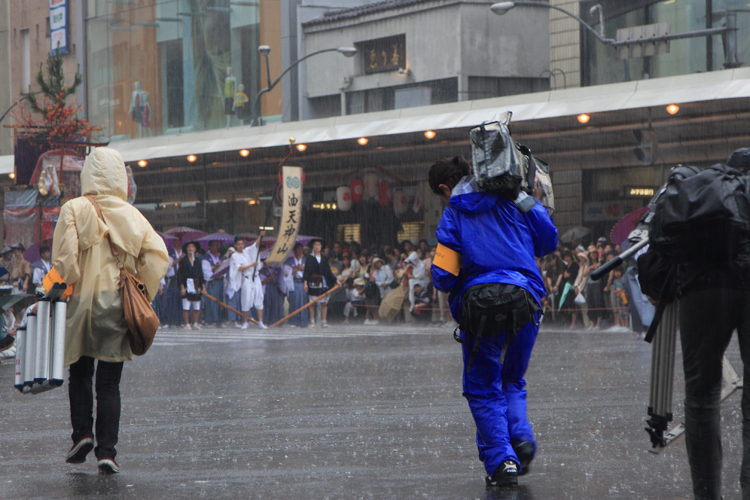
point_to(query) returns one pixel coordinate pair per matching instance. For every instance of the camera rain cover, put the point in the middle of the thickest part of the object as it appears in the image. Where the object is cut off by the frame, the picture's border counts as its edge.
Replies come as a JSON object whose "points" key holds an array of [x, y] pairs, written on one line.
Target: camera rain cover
{"points": [[496, 161]]}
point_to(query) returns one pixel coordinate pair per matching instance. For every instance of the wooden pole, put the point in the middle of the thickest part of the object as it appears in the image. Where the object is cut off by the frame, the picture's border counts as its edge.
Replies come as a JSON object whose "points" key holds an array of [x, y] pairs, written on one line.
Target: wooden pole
{"points": [[235, 311], [309, 304]]}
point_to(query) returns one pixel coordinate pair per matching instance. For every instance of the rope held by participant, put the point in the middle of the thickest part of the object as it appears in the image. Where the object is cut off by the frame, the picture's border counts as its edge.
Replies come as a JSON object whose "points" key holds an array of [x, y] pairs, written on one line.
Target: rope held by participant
{"points": [[292, 314], [235, 311]]}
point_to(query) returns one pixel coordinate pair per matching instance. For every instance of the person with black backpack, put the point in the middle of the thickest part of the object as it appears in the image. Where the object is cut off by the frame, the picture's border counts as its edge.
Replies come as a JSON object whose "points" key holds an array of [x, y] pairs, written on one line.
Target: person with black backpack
{"points": [[486, 260], [699, 246]]}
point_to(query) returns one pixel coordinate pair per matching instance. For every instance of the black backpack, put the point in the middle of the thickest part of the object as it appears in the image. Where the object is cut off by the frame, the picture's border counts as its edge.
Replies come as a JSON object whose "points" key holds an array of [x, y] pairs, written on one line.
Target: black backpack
{"points": [[702, 215]]}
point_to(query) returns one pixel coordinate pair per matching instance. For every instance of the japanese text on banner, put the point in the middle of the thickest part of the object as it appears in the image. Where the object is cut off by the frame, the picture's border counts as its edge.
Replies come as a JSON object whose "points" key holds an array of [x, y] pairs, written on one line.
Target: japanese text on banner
{"points": [[291, 205]]}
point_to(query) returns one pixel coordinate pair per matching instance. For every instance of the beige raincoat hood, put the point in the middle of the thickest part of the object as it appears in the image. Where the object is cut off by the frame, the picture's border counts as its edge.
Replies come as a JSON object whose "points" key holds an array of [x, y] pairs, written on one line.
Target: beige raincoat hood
{"points": [[81, 254]]}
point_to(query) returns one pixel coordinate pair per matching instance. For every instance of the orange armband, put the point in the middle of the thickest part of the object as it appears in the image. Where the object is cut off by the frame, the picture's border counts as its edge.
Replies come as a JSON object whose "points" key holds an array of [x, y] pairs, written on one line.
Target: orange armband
{"points": [[447, 259], [54, 277]]}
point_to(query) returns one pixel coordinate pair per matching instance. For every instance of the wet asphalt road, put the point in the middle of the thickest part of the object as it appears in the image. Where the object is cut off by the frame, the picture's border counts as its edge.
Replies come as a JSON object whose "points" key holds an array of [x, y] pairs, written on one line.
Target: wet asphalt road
{"points": [[365, 412]]}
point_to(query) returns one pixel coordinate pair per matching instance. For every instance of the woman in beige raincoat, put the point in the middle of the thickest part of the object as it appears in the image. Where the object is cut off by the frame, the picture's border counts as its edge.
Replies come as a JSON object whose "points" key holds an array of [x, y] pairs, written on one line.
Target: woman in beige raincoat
{"points": [[96, 327]]}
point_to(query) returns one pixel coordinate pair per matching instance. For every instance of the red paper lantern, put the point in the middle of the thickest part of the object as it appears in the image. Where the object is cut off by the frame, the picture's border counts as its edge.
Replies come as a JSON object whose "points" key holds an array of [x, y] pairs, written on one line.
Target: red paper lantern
{"points": [[358, 190], [385, 193], [344, 198]]}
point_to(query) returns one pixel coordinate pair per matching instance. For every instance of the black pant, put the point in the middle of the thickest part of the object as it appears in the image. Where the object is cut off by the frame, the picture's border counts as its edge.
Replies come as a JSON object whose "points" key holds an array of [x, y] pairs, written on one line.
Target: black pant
{"points": [[107, 403], [707, 320]]}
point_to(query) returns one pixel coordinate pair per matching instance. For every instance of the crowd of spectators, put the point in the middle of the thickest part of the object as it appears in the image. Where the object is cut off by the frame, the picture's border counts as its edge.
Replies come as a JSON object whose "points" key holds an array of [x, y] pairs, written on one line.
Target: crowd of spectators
{"points": [[367, 275], [573, 299], [18, 277]]}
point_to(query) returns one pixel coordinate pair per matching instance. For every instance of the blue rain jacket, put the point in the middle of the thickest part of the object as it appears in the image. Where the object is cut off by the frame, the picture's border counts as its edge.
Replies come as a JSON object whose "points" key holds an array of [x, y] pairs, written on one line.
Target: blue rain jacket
{"points": [[497, 242]]}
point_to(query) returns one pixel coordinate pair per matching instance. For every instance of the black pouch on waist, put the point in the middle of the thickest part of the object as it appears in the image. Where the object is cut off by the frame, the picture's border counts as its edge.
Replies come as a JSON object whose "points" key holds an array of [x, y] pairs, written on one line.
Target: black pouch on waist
{"points": [[492, 308]]}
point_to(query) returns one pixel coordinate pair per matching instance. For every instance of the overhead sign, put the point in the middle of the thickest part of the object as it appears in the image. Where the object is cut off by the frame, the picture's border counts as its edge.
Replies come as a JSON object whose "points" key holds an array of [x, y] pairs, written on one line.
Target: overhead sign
{"points": [[58, 26], [291, 212]]}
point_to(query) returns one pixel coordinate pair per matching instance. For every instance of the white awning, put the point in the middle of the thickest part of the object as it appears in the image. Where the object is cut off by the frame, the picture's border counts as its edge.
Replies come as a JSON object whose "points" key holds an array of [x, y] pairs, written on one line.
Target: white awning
{"points": [[727, 84]]}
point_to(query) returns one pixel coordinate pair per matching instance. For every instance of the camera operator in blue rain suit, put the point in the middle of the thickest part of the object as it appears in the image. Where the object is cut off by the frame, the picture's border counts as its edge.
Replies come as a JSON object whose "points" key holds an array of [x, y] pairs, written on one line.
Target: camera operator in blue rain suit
{"points": [[485, 238]]}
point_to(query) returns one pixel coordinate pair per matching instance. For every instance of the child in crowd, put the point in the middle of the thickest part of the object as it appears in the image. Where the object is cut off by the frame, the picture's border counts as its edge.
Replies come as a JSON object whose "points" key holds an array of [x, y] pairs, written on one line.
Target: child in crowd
{"points": [[372, 298], [356, 296], [421, 300]]}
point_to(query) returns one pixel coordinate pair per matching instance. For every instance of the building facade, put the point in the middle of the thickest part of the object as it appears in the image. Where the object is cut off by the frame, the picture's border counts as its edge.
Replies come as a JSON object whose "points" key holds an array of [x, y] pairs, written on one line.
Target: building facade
{"points": [[25, 44], [420, 53], [600, 120]]}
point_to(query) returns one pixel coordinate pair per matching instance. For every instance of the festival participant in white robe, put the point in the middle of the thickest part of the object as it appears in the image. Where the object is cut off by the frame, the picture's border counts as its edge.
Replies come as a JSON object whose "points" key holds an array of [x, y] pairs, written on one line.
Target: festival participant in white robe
{"points": [[232, 296], [244, 262]]}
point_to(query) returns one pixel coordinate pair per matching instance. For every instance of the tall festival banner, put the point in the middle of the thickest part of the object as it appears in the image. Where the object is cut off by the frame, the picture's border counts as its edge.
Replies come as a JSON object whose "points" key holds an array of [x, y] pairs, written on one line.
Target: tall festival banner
{"points": [[291, 212]]}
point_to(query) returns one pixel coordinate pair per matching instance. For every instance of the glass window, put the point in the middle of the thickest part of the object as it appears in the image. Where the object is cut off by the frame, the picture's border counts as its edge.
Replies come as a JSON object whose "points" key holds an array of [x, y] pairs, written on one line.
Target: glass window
{"points": [[686, 56], [173, 66]]}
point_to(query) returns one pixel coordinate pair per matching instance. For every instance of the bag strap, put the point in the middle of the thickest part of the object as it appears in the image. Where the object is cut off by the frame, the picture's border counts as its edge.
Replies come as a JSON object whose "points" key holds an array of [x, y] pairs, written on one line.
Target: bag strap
{"points": [[112, 246], [477, 339]]}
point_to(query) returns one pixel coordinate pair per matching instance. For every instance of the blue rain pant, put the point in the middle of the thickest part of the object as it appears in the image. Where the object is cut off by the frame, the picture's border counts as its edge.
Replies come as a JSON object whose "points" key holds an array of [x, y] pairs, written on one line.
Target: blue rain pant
{"points": [[496, 394]]}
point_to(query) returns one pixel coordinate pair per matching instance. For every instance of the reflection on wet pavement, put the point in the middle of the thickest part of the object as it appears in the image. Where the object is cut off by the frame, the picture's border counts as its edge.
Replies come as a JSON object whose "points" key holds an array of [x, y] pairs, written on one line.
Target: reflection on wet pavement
{"points": [[369, 413]]}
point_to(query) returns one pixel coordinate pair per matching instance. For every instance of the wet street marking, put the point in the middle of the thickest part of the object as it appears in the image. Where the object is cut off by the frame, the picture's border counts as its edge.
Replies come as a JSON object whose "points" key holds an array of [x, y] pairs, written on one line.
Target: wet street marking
{"points": [[178, 336]]}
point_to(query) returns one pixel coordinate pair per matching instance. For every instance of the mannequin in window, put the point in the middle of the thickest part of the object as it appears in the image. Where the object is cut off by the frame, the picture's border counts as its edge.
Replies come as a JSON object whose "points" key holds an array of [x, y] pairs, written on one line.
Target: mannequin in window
{"points": [[136, 107], [230, 86], [145, 115], [240, 104]]}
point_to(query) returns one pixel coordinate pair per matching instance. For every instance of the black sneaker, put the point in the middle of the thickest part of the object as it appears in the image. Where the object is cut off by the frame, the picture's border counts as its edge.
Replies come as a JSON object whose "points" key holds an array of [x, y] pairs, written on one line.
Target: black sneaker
{"points": [[505, 475], [525, 453], [81, 448], [108, 465]]}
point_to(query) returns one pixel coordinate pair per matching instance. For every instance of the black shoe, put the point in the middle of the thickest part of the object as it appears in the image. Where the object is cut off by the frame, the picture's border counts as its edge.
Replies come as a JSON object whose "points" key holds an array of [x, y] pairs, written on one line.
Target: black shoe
{"points": [[525, 453], [81, 448], [107, 465], [505, 475]]}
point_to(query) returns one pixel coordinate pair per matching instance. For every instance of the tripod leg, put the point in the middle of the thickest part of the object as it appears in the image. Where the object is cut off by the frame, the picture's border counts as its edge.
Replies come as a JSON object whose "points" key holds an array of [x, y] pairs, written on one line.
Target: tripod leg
{"points": [[662, 377], [731, 381]]}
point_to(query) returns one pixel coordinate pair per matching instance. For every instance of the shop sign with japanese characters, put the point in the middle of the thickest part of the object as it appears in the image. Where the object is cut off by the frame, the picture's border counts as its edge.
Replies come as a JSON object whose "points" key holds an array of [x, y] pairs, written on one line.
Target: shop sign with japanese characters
{"points": [[384, 54], [291, 211]]}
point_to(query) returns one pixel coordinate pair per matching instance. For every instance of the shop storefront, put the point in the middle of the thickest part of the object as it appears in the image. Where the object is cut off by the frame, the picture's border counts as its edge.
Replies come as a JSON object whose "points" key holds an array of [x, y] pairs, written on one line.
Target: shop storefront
{"points": [[594, 165]]}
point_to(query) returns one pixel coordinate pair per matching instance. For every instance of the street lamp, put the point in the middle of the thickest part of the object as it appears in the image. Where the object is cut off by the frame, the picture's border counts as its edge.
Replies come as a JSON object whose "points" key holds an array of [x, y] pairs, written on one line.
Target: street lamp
{"points": [[728, 31], [502, 8], [265, 50]]}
